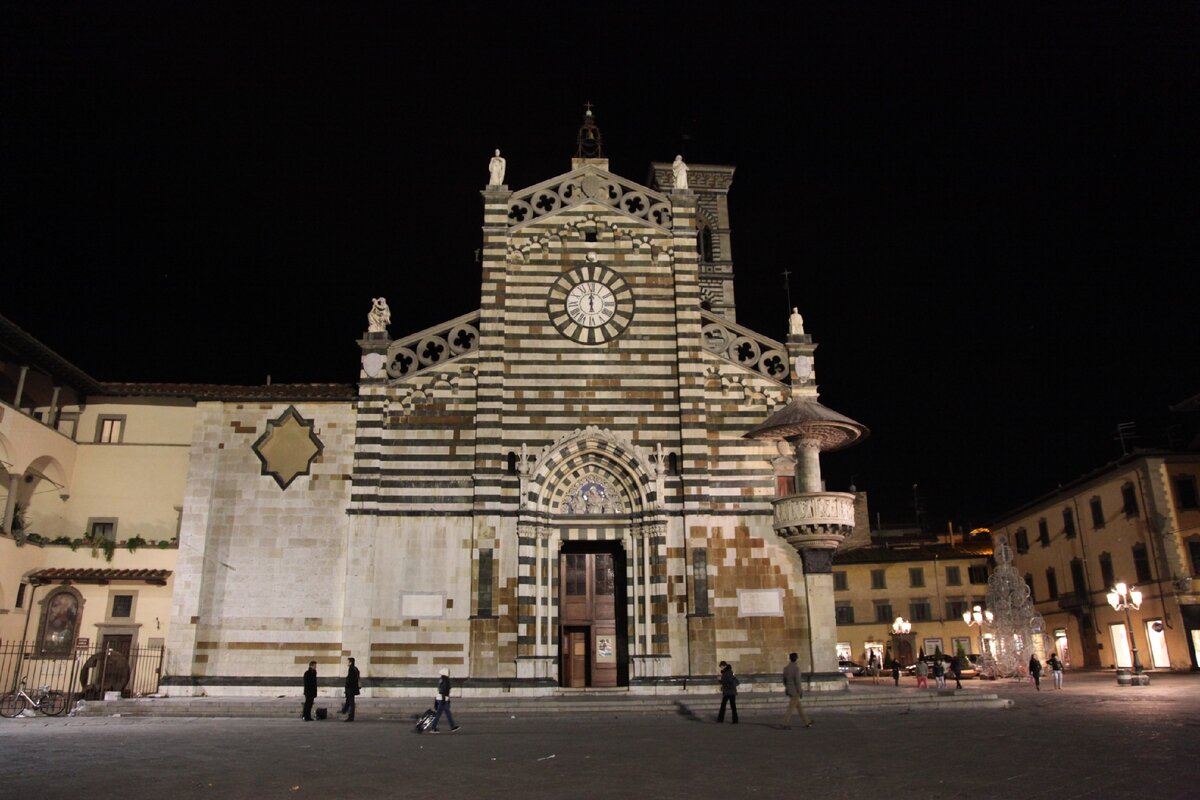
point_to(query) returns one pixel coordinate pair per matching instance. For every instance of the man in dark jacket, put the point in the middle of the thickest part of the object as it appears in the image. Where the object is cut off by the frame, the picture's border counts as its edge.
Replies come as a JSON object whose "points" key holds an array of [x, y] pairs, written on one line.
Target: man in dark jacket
{"points": [[442, 704], [729, 684], [310, 690], [351, 691]]}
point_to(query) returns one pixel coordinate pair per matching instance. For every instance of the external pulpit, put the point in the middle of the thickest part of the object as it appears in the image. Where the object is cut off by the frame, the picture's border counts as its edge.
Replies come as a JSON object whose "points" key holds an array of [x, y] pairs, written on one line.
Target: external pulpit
{"points": [[814, 521]]}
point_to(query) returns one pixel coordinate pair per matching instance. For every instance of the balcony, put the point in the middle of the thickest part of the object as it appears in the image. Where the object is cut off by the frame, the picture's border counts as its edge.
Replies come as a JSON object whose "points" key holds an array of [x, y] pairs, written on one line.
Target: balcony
{"points": [[815, 519]]}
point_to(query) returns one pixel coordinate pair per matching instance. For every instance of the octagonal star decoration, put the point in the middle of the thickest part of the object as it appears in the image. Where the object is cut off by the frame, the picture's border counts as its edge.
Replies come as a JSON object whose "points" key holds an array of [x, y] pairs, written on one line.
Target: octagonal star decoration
{"points": [[288, 447]]}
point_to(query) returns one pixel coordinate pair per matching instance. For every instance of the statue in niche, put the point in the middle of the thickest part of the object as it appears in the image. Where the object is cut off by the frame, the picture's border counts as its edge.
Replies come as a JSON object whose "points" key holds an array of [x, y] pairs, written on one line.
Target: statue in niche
{"points": [[496, 169], [379, 317], [680, 171], [593, 499], [795, 323]]}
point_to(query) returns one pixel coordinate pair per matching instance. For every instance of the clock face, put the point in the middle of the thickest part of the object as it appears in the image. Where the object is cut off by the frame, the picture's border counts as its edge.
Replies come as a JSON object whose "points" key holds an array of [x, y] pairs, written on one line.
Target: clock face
{"points": [[591, 304]]}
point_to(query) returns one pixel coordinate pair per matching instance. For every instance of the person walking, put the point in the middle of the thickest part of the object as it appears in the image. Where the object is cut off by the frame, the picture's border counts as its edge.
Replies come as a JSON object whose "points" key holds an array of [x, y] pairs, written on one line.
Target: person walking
{"points": [[310, 691], [791, 685], [939, 673], [956, 668], [896, 671], [873, 667], [922, 670], [1035, 671], [1056, 668], [442, 702], [729, 684], [352, 689]]}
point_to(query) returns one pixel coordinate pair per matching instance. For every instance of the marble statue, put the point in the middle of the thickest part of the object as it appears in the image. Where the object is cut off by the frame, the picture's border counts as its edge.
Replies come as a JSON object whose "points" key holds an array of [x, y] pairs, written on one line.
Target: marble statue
{"points": [[496, 169], [795, 323], [680, 170], [379, 317]]}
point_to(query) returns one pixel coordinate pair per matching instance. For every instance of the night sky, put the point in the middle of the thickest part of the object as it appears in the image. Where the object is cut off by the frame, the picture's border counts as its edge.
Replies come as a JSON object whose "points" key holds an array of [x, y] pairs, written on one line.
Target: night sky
{"points": [[991, 220]]}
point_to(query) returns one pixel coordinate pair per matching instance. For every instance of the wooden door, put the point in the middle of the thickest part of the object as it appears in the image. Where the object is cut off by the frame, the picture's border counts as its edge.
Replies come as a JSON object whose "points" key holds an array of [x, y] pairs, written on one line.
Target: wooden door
{"points": [[575, 664]]}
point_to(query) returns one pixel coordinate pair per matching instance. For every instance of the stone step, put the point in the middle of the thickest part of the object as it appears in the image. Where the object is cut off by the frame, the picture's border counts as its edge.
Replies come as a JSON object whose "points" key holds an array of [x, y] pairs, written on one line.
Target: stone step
{"points": [[405, 708]]}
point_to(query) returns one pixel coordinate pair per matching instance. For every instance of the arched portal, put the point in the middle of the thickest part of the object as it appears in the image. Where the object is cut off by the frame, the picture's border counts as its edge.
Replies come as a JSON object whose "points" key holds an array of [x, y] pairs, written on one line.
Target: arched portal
{"points": [[592, 546]]}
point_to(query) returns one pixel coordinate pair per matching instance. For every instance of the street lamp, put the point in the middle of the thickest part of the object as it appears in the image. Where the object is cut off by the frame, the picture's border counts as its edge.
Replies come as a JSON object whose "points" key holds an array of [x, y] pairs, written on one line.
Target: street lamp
{"points": [[976, 618], [901, 625], [1123, 598]]}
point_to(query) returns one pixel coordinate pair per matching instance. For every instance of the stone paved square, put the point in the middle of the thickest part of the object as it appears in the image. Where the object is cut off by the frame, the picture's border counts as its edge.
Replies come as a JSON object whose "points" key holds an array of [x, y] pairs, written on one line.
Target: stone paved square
{"points": [[1093, 739]]}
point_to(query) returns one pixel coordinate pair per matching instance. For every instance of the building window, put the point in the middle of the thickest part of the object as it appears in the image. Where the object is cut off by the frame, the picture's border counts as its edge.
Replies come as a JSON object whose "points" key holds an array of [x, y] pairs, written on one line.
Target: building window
{"points": [[878, 580], [1194, 552], [1043, 532], [1185, 491], [1068, 523], [1141, 563], [60, 623], [589, 236], [916, 577], [606, 575], [953, 576], [883, 612], [977, 574], [1106, 570], [576, 575], [706, 244], [1022, 541], [1029, 583], [110, 429], [122, 605], [512, 463], [68, 423], [844, 614], [920, 611], [21, 595], [486, 566], [101, 528], [840, 584], [1129, 502], [700, 580], [1078, 579], [1097, 513], [955, 609], [1051, 584]]}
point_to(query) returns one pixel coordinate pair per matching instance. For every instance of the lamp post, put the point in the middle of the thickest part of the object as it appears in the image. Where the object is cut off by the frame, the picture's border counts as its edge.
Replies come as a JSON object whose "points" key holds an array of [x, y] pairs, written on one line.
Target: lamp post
{"points": [[976, 618], [1123, 598]]}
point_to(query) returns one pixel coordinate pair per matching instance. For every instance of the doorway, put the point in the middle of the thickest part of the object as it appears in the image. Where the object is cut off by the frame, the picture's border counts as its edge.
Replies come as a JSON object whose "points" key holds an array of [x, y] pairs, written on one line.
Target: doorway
{"points": [[593, 638]]}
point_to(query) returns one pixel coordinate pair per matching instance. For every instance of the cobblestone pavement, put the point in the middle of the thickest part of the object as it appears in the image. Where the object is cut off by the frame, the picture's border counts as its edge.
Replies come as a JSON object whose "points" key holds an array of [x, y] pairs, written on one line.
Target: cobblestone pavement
{"points": [[1092, 739]]}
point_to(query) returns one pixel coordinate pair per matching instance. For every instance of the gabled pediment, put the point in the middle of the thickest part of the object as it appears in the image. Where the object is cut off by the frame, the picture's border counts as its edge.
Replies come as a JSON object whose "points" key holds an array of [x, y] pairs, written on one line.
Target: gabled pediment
{"points": [[589, 182]]}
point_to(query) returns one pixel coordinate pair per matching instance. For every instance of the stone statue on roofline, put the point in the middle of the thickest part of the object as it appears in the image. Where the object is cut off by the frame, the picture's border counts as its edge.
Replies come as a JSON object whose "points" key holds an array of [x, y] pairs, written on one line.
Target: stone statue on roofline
{"points": [[496, 169], [680, 171], [379, 317], [795, 323]]}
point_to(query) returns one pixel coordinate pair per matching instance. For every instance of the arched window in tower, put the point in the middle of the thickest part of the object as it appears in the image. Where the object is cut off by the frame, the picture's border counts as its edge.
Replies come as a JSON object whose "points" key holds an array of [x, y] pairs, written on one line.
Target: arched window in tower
{"points": [[706, 244], [672, 464], [512, 463]]}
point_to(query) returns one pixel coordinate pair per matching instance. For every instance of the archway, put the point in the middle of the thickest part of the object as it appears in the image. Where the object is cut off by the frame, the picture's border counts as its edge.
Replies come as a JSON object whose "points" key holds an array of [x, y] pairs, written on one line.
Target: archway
{"points": [[587, 533]]}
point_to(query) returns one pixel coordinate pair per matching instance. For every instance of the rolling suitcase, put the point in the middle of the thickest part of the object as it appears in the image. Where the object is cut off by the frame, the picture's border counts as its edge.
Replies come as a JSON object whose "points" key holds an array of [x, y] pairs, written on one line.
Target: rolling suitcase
{"points": [[425, 721]]}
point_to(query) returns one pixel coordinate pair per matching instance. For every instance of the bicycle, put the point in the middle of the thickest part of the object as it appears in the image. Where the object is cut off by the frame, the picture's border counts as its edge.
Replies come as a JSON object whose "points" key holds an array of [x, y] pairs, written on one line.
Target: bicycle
{"points": [[50, 703]]}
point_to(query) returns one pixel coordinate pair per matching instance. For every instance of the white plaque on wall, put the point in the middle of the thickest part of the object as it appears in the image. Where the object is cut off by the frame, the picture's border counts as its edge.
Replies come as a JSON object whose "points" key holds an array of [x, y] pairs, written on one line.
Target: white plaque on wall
{"points": [[423, 605], [760, 602]]}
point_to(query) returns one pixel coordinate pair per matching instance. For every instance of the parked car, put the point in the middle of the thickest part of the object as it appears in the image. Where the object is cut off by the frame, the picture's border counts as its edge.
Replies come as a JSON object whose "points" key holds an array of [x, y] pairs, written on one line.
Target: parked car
{"points": [[970, 667], [851, 668]]}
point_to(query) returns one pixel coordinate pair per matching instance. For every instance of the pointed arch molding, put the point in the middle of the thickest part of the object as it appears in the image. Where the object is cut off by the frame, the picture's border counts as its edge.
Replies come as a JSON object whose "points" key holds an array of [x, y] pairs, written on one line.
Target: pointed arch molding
{"points": [[592, 455]]}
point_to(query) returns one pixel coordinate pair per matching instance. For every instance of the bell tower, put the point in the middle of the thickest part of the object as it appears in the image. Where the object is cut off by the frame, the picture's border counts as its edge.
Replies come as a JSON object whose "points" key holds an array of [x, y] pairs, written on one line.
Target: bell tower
{"points": [[710, 184]]}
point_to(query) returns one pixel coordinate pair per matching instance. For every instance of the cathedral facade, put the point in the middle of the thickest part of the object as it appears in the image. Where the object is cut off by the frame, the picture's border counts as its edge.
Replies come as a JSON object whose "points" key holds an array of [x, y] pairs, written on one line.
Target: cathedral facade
{"points": [[597, 479]]}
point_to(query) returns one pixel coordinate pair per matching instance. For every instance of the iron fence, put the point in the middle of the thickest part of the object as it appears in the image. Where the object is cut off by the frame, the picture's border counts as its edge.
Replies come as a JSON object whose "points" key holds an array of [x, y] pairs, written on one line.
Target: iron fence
{"points": [[63, 672]]}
